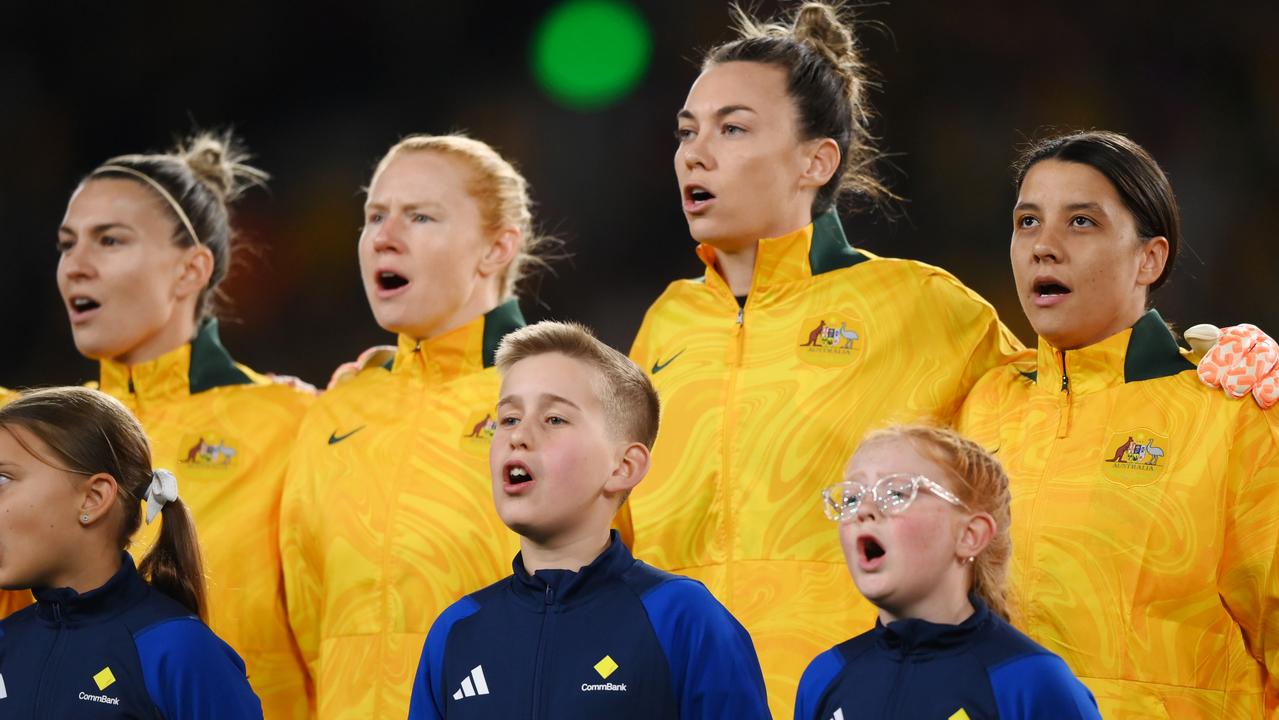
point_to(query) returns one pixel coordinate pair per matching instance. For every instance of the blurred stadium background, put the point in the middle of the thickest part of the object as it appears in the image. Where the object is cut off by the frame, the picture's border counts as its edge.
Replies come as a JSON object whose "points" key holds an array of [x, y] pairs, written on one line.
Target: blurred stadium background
{"points": [[319, 91]]}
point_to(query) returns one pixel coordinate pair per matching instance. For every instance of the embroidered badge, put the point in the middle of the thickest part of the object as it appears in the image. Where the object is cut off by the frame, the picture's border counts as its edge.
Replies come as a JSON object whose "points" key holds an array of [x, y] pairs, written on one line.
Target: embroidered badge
{"points": [[830, 340], [477, 433], [1135, 457], [209, 451]]}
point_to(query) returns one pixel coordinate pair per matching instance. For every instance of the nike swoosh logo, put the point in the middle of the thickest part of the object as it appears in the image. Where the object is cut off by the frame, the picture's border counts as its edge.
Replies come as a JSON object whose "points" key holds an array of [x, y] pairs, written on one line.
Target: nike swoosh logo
{"points": [[660, 366], [334, 438]]}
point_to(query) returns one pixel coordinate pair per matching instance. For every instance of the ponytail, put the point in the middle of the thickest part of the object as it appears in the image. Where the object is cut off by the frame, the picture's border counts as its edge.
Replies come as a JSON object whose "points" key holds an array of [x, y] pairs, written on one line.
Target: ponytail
{"points": [[174, 566]]}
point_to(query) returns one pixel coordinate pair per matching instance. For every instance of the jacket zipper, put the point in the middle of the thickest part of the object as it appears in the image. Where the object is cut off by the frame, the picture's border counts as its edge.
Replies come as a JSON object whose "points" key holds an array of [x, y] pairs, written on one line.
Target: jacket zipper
{"points": [[542, 642], [726, 486], [1064, 406], [48, 672], [894, 696]]}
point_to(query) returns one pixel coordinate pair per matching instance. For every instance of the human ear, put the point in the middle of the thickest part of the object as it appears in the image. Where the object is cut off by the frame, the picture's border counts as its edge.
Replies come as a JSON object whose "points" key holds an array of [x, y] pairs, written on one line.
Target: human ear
{"points": [[500, 252], [99, 495], [1152, 256], [195, 271], [823, 161], [630, 468], [975, 535]]}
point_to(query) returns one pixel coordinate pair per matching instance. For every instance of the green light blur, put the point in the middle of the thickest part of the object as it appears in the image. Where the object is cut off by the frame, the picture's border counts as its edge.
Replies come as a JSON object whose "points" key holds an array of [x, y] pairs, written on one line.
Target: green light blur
{"points": [[587, 54]]}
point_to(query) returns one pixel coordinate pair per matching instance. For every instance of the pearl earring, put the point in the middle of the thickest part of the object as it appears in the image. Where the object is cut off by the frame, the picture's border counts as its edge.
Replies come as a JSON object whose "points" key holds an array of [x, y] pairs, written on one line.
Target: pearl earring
{"points": [[84, 519], [971, 559]]}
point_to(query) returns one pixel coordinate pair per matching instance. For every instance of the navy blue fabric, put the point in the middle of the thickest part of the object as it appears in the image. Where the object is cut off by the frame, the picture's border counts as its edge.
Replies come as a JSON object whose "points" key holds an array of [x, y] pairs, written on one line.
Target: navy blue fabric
{"points": [[918, 669], [617, 639], [124, 650]]}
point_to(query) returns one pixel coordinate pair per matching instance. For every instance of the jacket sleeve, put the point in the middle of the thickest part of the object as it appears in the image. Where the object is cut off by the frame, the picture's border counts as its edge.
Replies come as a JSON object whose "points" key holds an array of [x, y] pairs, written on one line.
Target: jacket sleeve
{"points": [[972, 325], [714, 670], [817, 677], [300, 554], [1040, 687], [191, 674], [1248, 579], [427, 702]]}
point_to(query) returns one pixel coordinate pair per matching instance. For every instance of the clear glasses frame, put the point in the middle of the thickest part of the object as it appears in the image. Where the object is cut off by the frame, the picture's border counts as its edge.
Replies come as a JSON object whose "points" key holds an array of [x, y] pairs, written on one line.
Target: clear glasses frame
{"points": [[892, 494]]}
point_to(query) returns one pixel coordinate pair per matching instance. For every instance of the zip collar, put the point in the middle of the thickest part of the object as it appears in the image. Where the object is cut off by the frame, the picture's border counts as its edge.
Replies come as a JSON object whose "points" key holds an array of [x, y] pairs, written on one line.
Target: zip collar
{"points": [[915, 637], [1146, 351], [461, 351], [566, 587], [197, 366], [812, 250], [64, 606]]}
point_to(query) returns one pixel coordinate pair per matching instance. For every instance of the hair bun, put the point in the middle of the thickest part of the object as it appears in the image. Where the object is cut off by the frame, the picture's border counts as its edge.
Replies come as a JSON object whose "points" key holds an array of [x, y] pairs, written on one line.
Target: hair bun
{"points": [[819, 25], [218, 162]]}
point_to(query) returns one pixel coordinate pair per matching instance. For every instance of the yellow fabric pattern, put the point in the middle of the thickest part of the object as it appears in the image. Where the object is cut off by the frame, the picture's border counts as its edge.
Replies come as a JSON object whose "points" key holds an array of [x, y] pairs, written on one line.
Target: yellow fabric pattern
{"points": [[1145, 513], [761, 410], [388, 515], [227, 443]]}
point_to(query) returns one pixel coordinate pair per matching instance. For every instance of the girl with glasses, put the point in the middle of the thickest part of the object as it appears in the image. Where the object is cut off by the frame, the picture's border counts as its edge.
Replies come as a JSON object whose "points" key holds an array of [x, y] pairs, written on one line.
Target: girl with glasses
{"points": [[924, 523]]}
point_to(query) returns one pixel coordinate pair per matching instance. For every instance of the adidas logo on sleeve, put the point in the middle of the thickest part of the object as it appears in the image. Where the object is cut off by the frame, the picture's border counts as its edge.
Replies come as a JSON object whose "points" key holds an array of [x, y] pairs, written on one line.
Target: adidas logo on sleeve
{"points": [[472, 685]]}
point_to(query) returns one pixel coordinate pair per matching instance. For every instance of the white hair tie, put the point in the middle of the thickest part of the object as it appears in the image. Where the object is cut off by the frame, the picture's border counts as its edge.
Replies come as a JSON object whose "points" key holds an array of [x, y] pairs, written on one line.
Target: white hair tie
{"points": [[163, 489]]}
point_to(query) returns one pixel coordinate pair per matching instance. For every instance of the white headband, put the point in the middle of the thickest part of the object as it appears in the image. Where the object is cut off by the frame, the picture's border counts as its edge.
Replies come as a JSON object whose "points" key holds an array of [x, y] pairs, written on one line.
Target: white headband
{"points": [[173, 203], [163, 489]]}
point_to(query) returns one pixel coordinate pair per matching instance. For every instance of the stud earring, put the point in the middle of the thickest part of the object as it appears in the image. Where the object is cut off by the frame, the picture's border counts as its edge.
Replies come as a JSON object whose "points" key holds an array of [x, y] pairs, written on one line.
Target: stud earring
{"points": [[971, 559], [84, 519]]}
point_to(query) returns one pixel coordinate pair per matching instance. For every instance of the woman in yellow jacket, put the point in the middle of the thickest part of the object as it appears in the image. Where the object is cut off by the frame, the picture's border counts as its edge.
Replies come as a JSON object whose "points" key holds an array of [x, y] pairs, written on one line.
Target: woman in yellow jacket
{"points": [[1145, 504], [144, 244], [773, 365], [388, 512]]}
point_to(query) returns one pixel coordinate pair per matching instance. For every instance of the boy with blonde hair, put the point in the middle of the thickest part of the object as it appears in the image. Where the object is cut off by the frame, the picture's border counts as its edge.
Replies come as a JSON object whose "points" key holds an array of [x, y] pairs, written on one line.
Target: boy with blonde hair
{"points": [[581, 629]]}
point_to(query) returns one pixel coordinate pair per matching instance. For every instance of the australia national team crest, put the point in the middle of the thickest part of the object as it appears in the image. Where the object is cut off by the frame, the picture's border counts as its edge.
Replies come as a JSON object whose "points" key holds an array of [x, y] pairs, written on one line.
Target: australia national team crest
{"points": [[830, 340], [477, 433], [208, 451], [1136, 457]]}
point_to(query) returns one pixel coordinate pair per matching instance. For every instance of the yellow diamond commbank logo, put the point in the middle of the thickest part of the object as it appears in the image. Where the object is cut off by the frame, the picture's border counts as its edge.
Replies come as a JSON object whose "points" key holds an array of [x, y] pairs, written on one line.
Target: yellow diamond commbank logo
{"points": [[104, 678], [606, 667], [960, 714]]}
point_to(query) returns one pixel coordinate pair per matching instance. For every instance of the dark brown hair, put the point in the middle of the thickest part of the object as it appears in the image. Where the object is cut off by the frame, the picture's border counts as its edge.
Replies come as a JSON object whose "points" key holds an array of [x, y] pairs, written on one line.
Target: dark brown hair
{"points": [[828, 82], [90, 432], [1140, 182], [203, 174]]}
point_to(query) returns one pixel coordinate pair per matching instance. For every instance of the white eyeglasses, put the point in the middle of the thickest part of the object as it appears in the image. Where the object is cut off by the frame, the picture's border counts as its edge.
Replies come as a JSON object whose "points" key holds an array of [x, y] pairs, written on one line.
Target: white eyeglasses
{"points": [[892, 494]]}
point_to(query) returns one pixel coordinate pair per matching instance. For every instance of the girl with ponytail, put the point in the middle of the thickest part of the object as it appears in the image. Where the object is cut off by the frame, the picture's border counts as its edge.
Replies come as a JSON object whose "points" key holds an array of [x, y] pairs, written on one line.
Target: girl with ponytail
{"points": [[144, 246], [104, 638], [924, 520]]}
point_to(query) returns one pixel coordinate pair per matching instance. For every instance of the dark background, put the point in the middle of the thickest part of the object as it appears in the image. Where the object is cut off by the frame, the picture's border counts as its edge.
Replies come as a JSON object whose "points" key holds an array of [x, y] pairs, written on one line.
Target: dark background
{"points": [[320, 91]]}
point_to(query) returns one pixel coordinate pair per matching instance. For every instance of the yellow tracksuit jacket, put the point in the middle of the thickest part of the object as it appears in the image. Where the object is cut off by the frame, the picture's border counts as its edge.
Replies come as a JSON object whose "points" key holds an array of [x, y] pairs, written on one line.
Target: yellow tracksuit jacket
{"points": [[763, 405], [1145, 513], [388, 514], [225, 431]]}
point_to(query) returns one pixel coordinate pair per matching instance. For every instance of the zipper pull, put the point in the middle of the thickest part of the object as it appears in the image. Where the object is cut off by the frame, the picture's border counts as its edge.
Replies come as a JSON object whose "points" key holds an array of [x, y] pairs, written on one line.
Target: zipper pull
{"points": [[132, 390], [550, 594], [57, 612], [1065, 383], [740, 313]]}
